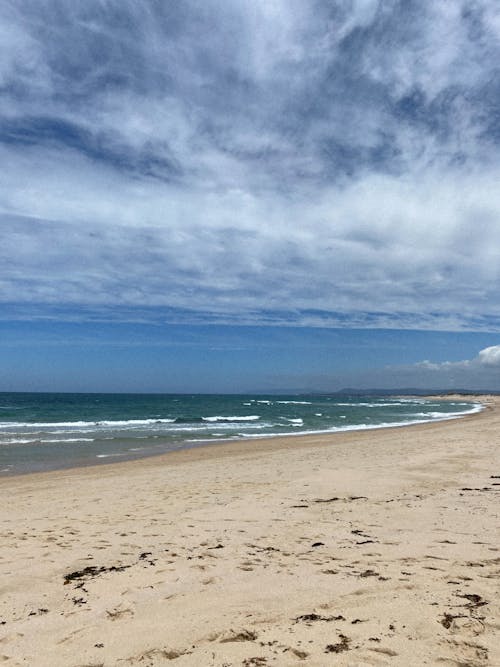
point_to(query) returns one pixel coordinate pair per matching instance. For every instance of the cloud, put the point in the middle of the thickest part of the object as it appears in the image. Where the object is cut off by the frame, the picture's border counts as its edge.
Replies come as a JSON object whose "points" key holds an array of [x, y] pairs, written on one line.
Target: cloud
{"points": [[489, 358], [322, 164]]}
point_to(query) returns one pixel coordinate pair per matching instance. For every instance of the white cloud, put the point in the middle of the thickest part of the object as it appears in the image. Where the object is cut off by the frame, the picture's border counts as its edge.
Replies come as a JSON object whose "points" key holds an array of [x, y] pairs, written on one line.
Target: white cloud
{"points": [[248, 157], [96, 236], [487, 359], [490, 356]]}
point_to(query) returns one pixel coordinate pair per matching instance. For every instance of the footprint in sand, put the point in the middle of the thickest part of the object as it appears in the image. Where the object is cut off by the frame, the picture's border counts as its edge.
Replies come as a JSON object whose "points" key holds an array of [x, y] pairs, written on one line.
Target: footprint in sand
{"points": [[467, 653], [155, 656], [119, 612]]}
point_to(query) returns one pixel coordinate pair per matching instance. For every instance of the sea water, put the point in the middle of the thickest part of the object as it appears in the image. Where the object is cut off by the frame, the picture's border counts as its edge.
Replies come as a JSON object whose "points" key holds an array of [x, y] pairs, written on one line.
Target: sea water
{"points": [[52, 431]]}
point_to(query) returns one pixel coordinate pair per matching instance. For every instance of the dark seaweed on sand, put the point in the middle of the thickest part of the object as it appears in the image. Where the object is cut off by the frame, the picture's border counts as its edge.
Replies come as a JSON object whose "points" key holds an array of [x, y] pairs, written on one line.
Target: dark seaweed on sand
{"points": [[92, 571], [342, 645]]}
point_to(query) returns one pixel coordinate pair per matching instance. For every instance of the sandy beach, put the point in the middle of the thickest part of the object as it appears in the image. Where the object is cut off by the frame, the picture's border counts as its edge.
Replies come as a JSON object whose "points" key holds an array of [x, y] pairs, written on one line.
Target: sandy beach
{"points": [[362, 548]]}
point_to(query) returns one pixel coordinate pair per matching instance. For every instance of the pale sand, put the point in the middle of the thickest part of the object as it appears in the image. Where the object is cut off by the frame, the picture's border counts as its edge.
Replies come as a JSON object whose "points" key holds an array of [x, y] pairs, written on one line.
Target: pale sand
{"points": [[262, 553]]}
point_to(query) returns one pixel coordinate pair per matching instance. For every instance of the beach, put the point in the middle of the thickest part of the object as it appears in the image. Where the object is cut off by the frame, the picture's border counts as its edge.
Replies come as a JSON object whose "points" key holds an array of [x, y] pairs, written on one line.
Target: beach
{"points": [[377, 547]]}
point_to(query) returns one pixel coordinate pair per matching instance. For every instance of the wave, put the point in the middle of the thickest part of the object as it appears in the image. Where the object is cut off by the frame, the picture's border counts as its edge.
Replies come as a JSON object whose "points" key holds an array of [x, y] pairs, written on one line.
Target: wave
{"points": [[294, 402], [36, 441], [108, 456], [214, 426], [8, 425], [432, 415], [83, 424], [17, 441], [370, 405], [443, 416], [206, 427], [295, 422], [238, 418], [227, 439], [69, 440]]}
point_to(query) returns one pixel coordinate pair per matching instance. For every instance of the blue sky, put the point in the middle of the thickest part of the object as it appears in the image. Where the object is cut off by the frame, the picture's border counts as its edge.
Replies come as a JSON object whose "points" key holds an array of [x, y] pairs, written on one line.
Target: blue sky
{"points": [[240, 195]]}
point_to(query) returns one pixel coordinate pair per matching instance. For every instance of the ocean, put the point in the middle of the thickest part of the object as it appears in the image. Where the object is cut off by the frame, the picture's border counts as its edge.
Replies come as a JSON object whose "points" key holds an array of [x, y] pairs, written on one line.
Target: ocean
{"points": [[54, 431]]}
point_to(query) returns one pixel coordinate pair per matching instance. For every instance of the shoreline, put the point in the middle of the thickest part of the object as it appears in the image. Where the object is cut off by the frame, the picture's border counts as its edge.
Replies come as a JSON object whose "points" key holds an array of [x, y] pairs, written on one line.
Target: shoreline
{"points": [[481, 400], [380, 550]]}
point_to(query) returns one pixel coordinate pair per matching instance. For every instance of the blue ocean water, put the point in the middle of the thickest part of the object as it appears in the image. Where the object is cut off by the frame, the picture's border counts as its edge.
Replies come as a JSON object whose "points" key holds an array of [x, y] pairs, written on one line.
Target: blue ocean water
{"points": [[51, 431]]}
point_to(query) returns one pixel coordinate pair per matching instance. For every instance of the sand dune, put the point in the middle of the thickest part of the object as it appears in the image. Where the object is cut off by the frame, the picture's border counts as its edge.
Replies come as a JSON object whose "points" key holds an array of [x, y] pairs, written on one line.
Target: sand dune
{"points": [[369, 548]]}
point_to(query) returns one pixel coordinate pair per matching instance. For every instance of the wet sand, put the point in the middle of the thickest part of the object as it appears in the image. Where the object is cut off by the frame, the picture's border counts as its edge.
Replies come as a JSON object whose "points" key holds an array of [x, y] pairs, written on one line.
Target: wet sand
{"points": [[364, 548]]}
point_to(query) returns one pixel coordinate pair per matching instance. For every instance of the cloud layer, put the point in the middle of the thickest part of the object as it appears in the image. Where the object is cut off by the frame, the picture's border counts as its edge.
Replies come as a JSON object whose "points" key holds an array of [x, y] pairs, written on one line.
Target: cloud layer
{"points": [[312, 163]]}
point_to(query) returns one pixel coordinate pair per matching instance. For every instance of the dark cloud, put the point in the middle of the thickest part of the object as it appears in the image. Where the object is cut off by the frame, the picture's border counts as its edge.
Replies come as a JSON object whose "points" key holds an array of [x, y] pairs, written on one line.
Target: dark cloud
{"points": [[104, 147]]}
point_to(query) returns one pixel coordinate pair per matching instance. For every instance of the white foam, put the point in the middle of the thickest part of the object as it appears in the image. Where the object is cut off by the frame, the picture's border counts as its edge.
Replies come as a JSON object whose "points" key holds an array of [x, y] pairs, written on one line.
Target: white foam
{"points": [[219, 418], [206, 440], [18, 441], [208, 426], [431, 415], [86, 424], [11, 425], [135, 422], [295, 402], [368, 405], [69, 440], [444, 416], [107, 456]]}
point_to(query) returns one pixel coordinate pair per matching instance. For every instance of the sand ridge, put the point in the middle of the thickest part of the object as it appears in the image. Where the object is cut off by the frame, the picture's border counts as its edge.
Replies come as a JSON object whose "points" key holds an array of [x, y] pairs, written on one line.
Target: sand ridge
{"points": [[370, 548]]}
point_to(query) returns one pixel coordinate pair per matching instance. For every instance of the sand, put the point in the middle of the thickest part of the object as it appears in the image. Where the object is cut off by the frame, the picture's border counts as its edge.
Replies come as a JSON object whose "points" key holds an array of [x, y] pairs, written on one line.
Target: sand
{"points": [[369, 548]]}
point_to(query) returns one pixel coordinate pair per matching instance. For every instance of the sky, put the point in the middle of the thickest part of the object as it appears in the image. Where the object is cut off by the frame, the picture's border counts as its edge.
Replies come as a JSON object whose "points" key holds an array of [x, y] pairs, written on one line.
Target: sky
{"points": [[249, 195]]}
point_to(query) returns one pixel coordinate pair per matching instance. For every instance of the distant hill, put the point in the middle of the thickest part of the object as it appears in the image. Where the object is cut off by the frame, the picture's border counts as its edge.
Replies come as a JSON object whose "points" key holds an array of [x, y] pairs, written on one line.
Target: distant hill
{"points": [[411, 391]]}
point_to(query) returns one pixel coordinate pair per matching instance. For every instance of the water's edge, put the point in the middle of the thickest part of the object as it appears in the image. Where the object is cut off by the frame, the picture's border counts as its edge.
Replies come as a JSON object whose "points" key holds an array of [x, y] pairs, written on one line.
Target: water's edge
{"points": [[103, 459]]}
